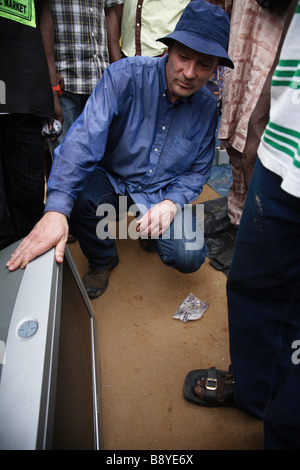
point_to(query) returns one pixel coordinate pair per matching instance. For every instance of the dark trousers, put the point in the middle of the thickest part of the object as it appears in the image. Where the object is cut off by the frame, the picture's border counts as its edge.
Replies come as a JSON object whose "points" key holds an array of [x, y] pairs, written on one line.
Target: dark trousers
{"points": [[264, 309], [21, 175]]}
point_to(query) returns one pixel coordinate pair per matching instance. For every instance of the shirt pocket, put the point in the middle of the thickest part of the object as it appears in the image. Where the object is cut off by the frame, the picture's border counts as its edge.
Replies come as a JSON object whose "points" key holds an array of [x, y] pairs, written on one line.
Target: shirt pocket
{"points": [[181, 154]]}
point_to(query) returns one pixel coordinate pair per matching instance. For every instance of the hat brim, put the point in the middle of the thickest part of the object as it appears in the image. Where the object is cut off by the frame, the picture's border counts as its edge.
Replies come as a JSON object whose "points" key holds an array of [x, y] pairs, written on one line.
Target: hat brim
{"points": [[203, 45]]}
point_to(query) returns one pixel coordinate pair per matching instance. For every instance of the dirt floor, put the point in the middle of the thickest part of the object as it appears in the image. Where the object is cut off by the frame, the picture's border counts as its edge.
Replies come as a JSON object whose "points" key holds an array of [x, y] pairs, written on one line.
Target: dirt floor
{"points": [[145, 354]]}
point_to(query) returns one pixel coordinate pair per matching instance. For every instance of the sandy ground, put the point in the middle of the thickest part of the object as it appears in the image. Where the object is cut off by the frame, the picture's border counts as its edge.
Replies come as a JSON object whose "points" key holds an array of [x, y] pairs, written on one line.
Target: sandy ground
{"points": [[145, 354]]}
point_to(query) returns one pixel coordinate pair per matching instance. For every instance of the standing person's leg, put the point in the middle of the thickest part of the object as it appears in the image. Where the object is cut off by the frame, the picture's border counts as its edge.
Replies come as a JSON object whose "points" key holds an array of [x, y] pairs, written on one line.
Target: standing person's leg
{"points": [[261, 283], [7, 232], [237, 191], [182, 246], [282, 419], [72, 105], [22, 159]]}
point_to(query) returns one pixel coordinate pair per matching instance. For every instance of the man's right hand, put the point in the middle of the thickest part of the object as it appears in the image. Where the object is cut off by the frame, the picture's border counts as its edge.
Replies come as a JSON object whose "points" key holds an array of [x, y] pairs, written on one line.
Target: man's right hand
{"points": [[51, 231]]}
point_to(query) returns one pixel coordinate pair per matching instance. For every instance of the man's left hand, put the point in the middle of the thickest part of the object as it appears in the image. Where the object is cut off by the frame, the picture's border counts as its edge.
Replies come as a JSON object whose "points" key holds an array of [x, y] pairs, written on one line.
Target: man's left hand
{"points": [[158, 219]]}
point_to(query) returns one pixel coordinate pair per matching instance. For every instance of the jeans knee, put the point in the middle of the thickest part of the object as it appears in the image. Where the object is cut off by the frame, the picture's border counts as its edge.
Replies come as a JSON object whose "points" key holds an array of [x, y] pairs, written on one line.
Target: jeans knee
{"points": [[190, 261], [184, 259]]}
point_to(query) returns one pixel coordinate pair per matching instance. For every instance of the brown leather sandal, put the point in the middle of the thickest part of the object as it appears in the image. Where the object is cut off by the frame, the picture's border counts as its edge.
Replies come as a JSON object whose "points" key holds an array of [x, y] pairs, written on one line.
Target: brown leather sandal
{"points": [[210, 387]]}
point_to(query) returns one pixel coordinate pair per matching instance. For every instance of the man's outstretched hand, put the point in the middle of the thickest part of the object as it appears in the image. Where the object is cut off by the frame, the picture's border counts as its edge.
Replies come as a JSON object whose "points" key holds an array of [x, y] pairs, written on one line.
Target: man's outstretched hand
{"points": [[51, 231]]}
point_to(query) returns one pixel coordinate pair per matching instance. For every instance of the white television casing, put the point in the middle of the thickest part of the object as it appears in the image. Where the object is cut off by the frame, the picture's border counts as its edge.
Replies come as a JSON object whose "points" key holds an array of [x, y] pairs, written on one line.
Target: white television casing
{"points": [[49, 374]]}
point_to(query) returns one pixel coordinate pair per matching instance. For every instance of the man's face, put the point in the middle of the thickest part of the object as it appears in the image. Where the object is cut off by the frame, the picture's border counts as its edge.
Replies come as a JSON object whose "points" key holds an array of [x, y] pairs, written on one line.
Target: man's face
{"points": [[187, 70]]}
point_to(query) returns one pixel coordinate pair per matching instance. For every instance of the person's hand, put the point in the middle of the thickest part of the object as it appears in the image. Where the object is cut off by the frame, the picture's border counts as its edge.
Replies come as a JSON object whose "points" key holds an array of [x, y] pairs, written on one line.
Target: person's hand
{"points": [[58, 114], [158, 219], [51, 231]]}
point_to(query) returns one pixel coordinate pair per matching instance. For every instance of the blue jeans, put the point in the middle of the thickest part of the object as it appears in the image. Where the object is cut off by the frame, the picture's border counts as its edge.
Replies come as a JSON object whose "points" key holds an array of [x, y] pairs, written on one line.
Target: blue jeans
{"points": [[21, 175], [72, 105], [183, 248], [263, 291]]}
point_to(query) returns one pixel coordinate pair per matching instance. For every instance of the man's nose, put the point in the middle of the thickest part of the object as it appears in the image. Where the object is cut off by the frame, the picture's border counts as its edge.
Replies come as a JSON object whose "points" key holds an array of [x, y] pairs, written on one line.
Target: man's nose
{"points": [[190, 70]]}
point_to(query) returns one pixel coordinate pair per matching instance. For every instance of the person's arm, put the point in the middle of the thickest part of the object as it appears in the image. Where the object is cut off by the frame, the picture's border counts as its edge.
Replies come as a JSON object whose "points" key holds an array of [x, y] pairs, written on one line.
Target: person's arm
{"points": [[73, 161], [47, 31], [113, 17], [79, 154]]}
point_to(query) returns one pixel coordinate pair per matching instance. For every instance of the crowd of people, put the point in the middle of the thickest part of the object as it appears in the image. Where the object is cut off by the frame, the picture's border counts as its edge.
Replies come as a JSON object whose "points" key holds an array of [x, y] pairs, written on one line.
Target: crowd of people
{"points": [[139, 123]]}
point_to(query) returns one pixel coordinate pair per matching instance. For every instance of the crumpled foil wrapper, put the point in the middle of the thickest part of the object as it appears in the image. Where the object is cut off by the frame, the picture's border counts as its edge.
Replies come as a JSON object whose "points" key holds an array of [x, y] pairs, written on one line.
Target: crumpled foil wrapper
{"points": [[191, 308]]}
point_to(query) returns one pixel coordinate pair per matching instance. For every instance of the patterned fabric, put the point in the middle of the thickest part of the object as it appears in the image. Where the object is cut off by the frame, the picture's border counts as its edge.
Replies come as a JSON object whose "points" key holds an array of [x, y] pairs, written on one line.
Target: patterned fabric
{"points": [[81, 41], [255, 35], [279, 150], [254, 42]]}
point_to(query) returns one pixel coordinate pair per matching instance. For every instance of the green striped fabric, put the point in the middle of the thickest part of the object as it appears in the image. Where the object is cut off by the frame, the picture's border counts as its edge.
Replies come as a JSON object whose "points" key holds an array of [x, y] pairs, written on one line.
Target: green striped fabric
{"points": [[285, 140], [279, 150], [287, 73]]}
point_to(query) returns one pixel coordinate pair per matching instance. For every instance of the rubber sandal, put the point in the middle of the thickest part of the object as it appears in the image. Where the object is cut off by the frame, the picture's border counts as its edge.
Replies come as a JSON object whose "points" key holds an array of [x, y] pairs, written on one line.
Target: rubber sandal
{"points": [[210, 387]]}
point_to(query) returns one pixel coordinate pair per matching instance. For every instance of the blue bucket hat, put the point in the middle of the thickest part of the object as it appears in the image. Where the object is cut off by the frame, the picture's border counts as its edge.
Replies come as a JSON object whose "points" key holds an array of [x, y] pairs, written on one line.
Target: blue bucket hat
{"points": [[204, 28]]}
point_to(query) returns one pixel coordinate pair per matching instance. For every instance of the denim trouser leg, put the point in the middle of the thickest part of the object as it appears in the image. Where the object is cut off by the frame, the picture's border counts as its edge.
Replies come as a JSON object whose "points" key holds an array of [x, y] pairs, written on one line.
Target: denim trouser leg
{"points": [[84, 220], [182, 247], [72, 105], [22, 175], [263, 300], [281, 422]]}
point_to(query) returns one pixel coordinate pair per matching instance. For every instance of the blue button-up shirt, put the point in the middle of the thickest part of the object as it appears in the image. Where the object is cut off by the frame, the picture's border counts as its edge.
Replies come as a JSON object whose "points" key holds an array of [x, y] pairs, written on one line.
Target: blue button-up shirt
{"points": [[150, 148]]}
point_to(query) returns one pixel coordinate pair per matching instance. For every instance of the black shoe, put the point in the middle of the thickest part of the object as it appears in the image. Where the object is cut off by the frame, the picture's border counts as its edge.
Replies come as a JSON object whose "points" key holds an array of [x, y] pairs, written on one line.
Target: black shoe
{"points": [[147, 245], [96, 281]]}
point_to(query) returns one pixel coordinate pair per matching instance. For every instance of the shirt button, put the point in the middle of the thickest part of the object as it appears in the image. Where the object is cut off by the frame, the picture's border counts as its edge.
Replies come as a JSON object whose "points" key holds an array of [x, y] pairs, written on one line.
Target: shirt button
{"points": [[138, 24], [140, 187], [91, 10], [150, 171], [163, 128], [156, 150]]}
